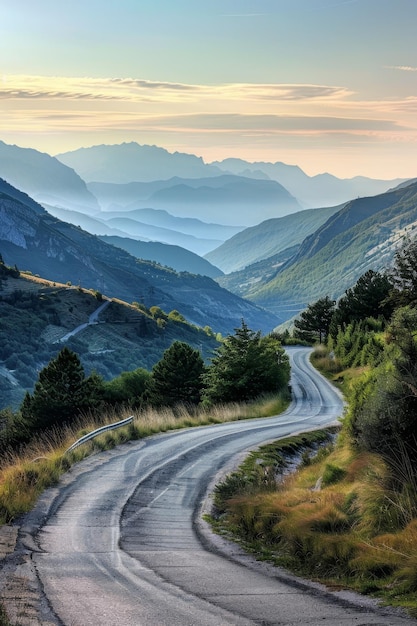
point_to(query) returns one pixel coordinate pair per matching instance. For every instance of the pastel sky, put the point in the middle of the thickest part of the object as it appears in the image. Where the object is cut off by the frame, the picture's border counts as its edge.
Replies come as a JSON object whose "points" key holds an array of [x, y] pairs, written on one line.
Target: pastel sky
{"points": [[329, 85]]}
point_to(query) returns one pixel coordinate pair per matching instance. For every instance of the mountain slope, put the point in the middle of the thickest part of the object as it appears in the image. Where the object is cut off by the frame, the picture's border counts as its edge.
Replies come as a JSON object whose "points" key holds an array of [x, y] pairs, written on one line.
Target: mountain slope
{"points": [[267, 239], [129, 224], [37, 315], [185, 225], [311, 191], [180, 259], [61, 252], [363, 235], [45, 178]]}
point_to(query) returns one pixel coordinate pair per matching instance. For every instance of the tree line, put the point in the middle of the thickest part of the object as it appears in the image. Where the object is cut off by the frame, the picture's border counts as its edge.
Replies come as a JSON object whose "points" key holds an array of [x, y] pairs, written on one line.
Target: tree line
{"points": [[245, 366], [374, 326]]}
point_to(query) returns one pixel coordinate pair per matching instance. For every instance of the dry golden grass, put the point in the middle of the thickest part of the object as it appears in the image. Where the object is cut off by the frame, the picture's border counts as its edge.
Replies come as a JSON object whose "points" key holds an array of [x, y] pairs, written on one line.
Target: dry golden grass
{"points": [[24, 475], [357, 532]]}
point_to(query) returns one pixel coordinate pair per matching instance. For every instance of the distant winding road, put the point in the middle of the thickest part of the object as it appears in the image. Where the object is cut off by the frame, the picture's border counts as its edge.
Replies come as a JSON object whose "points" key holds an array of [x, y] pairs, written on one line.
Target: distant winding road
{"points": [[121, 541], [93, 319]]}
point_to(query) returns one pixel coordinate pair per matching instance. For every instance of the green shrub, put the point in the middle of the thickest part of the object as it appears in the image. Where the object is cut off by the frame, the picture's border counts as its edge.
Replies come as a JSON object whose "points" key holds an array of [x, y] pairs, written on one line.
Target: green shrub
{"points": [[332, 474]]}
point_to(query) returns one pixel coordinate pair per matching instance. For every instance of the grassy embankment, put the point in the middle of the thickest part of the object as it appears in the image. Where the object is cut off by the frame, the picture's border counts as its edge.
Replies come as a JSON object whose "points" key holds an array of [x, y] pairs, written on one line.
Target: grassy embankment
{"points": [[337, 519], [24, 475]]}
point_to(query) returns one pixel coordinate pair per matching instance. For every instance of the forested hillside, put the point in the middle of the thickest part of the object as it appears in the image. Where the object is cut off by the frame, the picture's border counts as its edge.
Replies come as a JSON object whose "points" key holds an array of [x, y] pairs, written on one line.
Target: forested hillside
{"points": [[363, 235], [348, 515], [38, 317]]}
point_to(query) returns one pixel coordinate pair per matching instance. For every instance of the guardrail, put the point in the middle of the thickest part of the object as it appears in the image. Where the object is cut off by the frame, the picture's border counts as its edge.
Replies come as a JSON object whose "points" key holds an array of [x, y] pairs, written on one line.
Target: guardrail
{"points": [[99, 431]]}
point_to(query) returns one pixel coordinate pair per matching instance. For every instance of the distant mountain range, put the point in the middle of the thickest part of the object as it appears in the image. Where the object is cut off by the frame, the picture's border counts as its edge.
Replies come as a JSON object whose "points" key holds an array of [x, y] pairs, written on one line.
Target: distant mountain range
{"points": [[226, 199], [34, 240], [130, 162], [322, 190], [169, 208], [171, 198], [127, 162], [364, 234]]}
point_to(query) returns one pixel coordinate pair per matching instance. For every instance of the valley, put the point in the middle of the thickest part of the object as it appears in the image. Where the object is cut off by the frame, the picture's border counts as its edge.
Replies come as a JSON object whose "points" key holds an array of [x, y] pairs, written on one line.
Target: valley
{"points": [[218, 243]]}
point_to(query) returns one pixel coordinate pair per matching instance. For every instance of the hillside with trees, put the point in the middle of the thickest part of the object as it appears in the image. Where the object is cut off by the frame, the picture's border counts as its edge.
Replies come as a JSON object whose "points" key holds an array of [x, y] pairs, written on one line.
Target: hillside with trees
{"points": [[363, 235], [38, 315], [245, 367], [348, 515]]}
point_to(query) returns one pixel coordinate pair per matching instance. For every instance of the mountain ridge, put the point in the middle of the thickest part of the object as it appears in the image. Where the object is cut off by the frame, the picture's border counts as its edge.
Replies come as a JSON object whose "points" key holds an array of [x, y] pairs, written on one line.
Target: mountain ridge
{"points": [[62, 252], [267, 239], [44, 178], [321, 190], [331, 264]]}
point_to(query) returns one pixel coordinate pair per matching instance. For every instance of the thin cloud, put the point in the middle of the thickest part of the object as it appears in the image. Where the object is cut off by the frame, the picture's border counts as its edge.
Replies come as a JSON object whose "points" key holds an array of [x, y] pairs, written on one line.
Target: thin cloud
{"points": [[28, 94], [271, 123], [401, 68], [138, 90]]}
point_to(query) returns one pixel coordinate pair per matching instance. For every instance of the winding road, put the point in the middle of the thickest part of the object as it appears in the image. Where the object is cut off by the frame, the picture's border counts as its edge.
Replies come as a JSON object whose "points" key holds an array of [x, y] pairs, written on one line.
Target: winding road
{"points": [[122, 541]]}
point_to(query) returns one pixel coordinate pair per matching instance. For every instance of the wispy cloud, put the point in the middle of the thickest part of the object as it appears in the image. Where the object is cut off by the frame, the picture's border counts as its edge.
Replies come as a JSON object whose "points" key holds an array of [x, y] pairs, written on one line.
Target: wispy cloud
{"points": [[136, 90], [401, 68], [271, 123]]}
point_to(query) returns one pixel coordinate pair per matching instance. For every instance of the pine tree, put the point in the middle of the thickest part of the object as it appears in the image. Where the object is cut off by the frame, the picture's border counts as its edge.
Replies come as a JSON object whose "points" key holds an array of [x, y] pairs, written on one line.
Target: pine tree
{"points": [[314, 322], [59, 394], [245, 366], [369, 297], [176, 378]]}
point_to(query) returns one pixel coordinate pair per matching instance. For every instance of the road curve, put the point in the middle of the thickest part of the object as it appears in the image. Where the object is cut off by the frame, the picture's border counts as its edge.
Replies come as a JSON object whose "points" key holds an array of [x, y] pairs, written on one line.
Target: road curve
{"points": [[121, 540]]}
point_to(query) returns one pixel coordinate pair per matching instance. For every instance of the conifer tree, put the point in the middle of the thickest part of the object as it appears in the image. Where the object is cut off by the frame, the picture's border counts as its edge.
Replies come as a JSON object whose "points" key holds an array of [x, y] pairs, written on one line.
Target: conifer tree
{"points": [[245, 366], [60, 393], [176, 378], [314, 322]]}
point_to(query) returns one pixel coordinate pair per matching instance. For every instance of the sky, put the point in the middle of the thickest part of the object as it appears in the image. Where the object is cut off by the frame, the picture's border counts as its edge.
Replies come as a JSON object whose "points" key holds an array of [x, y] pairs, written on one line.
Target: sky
{"points": [[328, 85]]}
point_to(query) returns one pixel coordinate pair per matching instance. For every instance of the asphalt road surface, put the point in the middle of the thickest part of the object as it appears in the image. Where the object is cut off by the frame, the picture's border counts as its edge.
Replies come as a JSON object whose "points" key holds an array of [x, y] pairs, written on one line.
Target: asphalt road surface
{"points": [[121, 541]]}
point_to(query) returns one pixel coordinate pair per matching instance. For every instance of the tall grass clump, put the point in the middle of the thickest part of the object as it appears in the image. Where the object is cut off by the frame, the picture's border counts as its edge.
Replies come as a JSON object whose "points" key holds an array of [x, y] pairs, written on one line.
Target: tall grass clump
{"points": [[325, 361], [339, 518]]}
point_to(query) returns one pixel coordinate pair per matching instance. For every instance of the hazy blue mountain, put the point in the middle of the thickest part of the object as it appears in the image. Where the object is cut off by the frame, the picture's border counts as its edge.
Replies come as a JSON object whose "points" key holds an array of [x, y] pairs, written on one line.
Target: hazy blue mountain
{"points": [[186, 225], [128, 224], [126, 162], [45, 179], [232, 201], [363, 235], [311, 191], [229, 200], [35, 240], [267, 239], [147, 232], [178, 258], [93, 225]]}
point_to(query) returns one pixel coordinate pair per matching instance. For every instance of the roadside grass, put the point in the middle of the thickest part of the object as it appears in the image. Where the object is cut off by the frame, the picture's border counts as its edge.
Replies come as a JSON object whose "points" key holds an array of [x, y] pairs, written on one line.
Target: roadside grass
{"points": [[331, 368], [341, 517], [25, 475]]}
